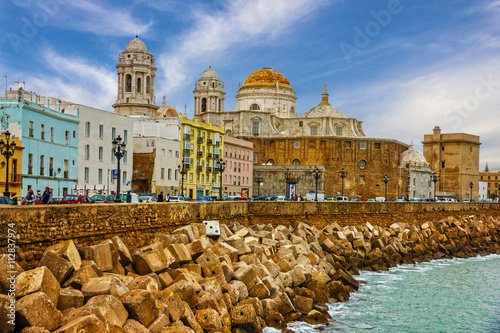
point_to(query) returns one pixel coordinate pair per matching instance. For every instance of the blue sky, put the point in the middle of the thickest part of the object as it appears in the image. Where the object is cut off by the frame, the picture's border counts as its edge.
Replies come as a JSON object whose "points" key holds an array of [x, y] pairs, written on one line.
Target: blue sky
{"points": [[402, 67]]}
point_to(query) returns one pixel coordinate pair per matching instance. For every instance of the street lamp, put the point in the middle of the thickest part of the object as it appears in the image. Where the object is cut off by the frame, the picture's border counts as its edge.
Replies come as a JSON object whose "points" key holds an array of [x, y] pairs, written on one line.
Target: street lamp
{"points": [[287, 179], [342, 174], [471, 184], [183, 172], [434, 179], [386, 180], [58, 171], [316, 175], [221, 166], [7, 150], [258, 179], [118, 151]]}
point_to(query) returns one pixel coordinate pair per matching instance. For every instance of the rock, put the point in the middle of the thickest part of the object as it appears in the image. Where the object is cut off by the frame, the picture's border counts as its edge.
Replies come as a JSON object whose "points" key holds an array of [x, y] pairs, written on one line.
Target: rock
{"points": [[346, 278], [6, 278], [7, 313], [122, 249], [302, 304], [133, 326], [189, 319], [315, 318], [244, 316], [81, 276], [37, 310], [34, 329], [144, 282], [106, 285], [165, 279], [111, 308], [259, 290], [276, 320], [101, 254], [140, 306], [66, 250], [38, 280], [247, 275], [285, 306], [70, 298], [177, 329], [88, 323], [61, 268], [180, 253], [170, 303], [151, 259], [208, 319], [160, 322]]}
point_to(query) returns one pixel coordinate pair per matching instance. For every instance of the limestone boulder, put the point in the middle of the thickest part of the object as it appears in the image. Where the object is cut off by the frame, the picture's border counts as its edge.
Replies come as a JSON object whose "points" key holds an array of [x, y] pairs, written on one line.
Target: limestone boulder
{"points": [[37, 309], [208, 319], [111, 308], [88, 323], [140, 306], [133, 326], [39, 279], [7, 313], [106, 285], [159, 323], [123, 251], [150, 259], [70, 298], [61, 268], [101, 254], [66, 250]]}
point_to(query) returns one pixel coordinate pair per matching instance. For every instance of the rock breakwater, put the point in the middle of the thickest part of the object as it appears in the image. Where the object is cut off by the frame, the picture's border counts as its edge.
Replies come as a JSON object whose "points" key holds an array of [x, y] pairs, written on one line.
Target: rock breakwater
{"points": [[245, 280]]}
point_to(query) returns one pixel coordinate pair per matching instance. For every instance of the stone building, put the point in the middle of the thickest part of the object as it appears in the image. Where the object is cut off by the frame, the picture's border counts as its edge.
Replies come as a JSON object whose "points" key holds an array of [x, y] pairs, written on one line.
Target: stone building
{"points": [[455, 157], [493, 181], [419, 173]]}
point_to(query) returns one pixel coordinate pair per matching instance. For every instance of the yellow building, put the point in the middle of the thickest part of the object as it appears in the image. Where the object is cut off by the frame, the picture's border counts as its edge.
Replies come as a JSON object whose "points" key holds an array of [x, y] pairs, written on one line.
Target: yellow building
{"points": [[15, 168], [201, 146], [493, 180]]}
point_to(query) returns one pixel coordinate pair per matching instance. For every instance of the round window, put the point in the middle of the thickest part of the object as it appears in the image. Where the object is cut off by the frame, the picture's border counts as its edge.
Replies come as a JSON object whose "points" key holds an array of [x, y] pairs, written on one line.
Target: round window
{"points": [[362, 164]]}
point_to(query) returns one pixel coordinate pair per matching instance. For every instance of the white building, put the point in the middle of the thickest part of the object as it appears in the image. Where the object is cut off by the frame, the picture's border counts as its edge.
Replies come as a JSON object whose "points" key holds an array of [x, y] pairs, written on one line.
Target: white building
{"points": [[97, 130], [483, 191], [157, 151]]}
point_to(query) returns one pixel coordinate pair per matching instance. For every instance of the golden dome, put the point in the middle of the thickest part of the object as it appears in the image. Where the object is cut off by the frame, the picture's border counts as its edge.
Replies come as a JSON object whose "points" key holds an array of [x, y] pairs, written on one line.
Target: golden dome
{"points": [[265, 76]]}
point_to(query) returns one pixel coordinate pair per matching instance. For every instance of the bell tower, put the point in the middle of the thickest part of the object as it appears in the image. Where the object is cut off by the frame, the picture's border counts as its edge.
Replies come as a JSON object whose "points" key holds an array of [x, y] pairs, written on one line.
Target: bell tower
{"points": [[208, 96], [136, 81]]}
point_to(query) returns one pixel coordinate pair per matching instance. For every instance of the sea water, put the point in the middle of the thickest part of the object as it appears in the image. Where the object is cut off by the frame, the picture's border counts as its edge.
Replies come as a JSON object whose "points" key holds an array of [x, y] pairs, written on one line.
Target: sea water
{"points": [[448, 295]]}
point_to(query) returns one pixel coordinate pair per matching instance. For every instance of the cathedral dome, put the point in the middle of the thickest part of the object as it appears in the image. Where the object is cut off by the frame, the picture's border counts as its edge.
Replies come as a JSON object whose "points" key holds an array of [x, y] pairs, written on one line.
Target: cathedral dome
{"points": [[209, 74], [413, 158], [266, 76], [324, 109], [136, 45]]}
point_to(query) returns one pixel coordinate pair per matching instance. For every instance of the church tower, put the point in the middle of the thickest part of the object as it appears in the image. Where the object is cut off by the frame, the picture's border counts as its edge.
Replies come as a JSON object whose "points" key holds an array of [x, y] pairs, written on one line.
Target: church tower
{"points": [[208, 96], [136, 81]]}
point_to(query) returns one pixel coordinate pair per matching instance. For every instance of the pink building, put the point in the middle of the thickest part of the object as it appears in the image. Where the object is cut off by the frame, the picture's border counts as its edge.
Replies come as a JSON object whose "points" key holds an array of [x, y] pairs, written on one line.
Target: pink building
{"points": [[238, 178]]}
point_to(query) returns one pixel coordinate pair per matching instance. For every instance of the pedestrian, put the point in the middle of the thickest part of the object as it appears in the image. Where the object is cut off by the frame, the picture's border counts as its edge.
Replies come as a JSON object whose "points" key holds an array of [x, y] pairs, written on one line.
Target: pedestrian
{"points": [[46, 196], [167, 198], [30, 198], [160, 196]]}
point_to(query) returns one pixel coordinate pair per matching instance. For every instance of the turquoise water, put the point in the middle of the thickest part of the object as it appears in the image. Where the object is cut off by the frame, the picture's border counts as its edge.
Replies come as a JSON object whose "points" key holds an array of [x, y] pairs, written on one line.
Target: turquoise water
{"points": [[458, 295]]}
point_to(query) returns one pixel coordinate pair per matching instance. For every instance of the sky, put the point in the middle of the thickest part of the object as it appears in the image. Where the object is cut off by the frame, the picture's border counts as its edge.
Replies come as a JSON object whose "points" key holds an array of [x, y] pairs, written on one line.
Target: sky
{"points": [[400, 66]]}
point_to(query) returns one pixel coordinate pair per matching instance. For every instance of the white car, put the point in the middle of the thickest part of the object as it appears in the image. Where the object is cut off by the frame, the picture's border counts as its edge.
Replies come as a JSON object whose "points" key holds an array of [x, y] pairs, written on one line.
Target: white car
{"points": [[177, 199]]}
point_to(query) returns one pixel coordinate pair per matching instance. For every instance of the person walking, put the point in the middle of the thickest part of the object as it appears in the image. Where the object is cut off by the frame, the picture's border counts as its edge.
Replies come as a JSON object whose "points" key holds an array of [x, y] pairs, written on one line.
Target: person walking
{"points": [[46, 196], [160, 196], [30, 197]]}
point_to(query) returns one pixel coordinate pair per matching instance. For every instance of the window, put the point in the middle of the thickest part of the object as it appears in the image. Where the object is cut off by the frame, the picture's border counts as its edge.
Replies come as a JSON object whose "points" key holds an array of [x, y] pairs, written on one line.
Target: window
{"points": [[169, 174], [442, 148], [87, 152], [176, 154], [234, 180], [239, 180], [442, 166], [113, 133], [125, 136], [66, 137], [125, 157], [348, 144], [66, 168], [338, 131], [101, 132], [42, 132], [86, 175], [74, 134], [362, 164], [42, 162], [162, 173], [176, 175], [361, 178], [51, 166], [296, 144], [31, 129], [296, 162], [254, 107], [239, 167], [225, 151], [301, 123], [230, 152], [87, 128], [255, 128], [99, 176], [362, 145], [314, 130], [148, 84], [239, 153], [101, 153], [255, 157], [248, 154], [128, 83], [30, 164], [51, 133], [112, 155], [138, 84], [124, 181], [377, 145]]}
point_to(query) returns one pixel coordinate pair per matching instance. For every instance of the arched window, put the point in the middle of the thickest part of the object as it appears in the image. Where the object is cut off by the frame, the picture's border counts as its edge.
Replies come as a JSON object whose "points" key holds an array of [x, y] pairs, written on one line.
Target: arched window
{"points": [[271, 162], [128, 83], [296, 162], [292, 110], [203, 104], [228, 132], [254, 107], [148, 84], [138, 84]]}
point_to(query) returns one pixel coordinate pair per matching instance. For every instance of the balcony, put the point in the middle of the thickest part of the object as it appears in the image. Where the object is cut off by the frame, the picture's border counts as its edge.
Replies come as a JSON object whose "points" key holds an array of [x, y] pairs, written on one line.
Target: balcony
{"points": [[209, 141], [186, 151], [209, 155], [200, 139], [209, 169], [217, 143], [216, 156], [216, 169], [187, 136], [199, 153], [199, 168], [16, 178]]}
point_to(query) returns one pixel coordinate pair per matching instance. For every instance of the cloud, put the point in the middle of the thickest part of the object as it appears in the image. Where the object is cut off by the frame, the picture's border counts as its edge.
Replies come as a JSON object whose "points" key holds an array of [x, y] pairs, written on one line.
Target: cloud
{"points": [[75, 80], [238, 24]]}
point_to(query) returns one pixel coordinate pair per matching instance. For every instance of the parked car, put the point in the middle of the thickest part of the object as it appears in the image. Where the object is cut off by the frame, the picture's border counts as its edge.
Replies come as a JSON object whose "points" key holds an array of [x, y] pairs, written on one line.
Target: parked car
{"points": [[355, 199], [380, 199], [205, 198], [76, 199], [147, 199], [7, 201], [283, 198], [371, 200], [103, 198], [401, 199], [331, 199], [177, 199], [129, 197], [38, 200], [341, 198], [237, 198]]}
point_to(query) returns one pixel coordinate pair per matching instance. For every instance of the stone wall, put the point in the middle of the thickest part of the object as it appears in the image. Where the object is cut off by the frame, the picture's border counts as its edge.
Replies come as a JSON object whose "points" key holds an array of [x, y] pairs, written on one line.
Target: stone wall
{"points": [[37, 227]]}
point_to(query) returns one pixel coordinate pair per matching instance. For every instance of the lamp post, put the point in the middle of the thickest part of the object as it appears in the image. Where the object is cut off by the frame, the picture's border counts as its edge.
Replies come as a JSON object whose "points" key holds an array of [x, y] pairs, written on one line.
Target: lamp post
{"points": [[7, 150], [342, 174], [118, 151], [58, 171], [221, 166], [258, 179], [183, 172], [471, 184], [316, 175], [386, 180], [434, 179], [287, 179]]}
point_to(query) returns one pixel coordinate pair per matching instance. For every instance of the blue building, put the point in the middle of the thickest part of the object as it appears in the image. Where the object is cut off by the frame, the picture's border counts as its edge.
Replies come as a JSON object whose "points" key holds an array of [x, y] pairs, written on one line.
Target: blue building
{"points": [[49, 136]]}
